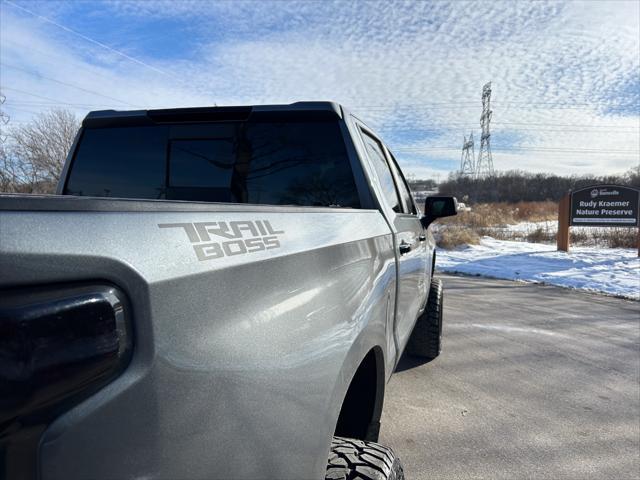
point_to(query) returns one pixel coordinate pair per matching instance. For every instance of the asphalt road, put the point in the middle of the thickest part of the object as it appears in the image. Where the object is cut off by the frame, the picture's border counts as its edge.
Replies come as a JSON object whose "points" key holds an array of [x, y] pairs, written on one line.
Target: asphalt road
{"points": [[534, 382]]}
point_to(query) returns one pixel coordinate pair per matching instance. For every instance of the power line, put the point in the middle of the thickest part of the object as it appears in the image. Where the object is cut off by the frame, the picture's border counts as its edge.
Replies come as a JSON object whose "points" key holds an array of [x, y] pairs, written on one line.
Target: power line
{"points": [[563, 125], [609, 128], [507, 106], [455, 125], [630, 101], [55, 104], [24, 111], [526, 149], [519, 152], [519, 129], [50, 58], [38, 75], [53, 101], [439, 127], [28, 93], [529, 148]]}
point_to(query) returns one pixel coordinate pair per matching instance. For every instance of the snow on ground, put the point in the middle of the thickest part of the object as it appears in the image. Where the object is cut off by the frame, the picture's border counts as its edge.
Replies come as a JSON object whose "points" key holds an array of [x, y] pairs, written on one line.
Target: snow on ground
{"points": [[614, 271], [518, 231]]}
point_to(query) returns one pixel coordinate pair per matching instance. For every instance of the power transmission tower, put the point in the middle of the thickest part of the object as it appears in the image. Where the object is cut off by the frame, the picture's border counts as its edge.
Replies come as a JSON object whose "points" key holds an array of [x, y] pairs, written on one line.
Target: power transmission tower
{"points": [[467, 166], [484, 165]]}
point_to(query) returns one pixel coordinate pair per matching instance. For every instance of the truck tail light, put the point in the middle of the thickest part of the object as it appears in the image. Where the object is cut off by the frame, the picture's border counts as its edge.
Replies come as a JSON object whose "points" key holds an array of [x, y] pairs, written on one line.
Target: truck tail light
{"points": [[57, 346]]}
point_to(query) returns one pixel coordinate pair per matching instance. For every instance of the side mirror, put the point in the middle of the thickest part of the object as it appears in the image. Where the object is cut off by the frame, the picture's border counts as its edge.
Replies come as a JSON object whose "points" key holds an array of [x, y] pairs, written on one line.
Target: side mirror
{"points": [[438, 207]]}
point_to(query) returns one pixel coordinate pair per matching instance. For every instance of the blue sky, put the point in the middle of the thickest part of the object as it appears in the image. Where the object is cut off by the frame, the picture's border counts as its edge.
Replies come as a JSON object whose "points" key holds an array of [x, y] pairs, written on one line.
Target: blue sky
{"points": [[565, 76]]}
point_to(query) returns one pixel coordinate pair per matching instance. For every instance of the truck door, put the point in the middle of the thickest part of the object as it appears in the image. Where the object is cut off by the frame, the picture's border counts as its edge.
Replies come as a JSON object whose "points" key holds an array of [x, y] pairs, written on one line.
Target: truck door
{"points": [[409, 237], [411, 218]]}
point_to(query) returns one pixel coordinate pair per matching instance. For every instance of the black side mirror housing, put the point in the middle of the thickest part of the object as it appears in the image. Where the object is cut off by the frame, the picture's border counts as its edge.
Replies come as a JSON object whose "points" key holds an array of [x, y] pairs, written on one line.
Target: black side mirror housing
{"points": [[438, 207]]}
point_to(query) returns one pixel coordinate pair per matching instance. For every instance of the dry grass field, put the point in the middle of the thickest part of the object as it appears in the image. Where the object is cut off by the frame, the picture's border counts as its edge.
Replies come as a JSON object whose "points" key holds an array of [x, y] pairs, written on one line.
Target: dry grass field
{"points": [[534, 222]]}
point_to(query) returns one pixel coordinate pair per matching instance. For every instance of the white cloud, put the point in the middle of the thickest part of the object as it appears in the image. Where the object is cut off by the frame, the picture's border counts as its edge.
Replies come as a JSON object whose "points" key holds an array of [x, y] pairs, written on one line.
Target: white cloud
{"points": [[557, 69]]}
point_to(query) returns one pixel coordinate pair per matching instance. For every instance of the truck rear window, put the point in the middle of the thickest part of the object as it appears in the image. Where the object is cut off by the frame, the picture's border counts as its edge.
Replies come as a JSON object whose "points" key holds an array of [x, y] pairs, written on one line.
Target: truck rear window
{"points": [[275, 163]]}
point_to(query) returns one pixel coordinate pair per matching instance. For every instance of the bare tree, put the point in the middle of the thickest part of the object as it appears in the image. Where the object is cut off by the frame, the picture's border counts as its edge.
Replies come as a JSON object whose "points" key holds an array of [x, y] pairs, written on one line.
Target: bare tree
{"points": [[32, 159], [6, 170]]}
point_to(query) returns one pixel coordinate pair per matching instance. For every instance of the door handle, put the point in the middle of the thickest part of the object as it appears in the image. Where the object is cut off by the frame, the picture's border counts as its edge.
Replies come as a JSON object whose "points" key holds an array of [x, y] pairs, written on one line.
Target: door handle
{"points": [[422, 238], [404, 248]]}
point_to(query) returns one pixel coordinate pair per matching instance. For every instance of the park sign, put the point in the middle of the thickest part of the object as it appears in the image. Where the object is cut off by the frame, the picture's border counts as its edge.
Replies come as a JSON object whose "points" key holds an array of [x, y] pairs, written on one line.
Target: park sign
{"points": [[598, 206], [605, 206]]}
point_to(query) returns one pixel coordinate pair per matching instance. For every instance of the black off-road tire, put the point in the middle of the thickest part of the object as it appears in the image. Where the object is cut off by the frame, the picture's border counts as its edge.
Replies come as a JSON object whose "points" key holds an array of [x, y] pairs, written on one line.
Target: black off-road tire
{"points": [[426, 338], [351, 459]]}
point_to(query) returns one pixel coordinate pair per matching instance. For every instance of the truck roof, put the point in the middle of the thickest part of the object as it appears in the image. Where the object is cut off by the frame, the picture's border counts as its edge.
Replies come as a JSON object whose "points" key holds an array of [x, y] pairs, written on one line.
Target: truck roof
{"points": [[311, 110]]}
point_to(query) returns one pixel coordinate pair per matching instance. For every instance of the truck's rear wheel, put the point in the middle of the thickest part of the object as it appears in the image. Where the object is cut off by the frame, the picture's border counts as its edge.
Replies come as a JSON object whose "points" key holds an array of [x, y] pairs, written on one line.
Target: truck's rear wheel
{"points": [[426, 338], [351, 459]]}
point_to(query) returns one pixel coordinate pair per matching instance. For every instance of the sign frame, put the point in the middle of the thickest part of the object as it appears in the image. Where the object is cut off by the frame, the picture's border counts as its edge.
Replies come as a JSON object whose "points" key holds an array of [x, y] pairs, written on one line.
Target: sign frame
{"points": [[605, 205], [569, 202]]}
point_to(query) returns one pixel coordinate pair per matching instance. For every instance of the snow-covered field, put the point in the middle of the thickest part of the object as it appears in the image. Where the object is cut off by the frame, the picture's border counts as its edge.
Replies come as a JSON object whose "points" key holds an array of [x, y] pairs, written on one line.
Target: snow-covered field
{"points": [[614, 271]]}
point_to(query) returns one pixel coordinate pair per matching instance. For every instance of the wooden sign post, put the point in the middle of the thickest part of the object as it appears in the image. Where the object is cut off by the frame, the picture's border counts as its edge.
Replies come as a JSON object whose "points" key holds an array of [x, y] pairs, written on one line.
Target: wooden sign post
{"points": [[563, 223]]}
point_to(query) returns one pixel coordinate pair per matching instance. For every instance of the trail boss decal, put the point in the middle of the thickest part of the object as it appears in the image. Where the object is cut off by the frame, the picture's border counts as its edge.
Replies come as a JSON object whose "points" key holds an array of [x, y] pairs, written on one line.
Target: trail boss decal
{"points": [[212, 240]]}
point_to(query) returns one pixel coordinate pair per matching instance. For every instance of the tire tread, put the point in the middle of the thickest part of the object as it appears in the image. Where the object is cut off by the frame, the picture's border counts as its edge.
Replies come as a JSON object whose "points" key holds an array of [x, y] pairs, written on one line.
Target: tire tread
{"points": [[351, 459], [425, 339]]}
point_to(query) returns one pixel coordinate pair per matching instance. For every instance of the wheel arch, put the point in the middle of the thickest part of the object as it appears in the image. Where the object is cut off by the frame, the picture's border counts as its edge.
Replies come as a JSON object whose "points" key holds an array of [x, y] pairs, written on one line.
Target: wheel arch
{"points": [[361, 406]]}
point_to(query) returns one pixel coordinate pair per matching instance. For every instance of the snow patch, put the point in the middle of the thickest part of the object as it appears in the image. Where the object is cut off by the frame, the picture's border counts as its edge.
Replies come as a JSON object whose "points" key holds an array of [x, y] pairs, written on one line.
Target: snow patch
{"points": [[614, 271]]}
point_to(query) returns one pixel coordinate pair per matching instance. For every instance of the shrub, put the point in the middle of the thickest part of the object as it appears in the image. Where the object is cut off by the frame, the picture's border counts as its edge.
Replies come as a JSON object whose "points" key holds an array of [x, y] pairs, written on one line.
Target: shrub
{"points": [[536, 211], [622, 238], [540, 235], [484, 215], [579, 237], [455, 236]]}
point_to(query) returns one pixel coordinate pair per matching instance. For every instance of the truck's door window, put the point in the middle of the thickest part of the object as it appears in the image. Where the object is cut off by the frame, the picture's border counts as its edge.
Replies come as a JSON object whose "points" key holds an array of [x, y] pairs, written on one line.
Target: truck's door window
{"points": [[402, 186], [261, 162], [376, 155]]}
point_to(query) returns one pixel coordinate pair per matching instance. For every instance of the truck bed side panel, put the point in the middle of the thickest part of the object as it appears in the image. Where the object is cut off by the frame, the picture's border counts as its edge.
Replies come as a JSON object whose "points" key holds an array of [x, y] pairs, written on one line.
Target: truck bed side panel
{"points": [[241, 353]]}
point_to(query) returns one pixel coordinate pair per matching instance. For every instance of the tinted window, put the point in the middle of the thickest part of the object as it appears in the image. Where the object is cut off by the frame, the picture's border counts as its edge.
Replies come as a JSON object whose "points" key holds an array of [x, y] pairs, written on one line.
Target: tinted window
{"points": [[277, 163], [376, 155], [201, 163], [120, 162], [403, 188]]}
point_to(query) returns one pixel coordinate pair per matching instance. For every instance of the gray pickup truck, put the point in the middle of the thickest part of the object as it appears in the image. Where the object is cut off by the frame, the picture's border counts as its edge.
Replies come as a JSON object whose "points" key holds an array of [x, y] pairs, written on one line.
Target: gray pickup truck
{"points": [[216, 293]]}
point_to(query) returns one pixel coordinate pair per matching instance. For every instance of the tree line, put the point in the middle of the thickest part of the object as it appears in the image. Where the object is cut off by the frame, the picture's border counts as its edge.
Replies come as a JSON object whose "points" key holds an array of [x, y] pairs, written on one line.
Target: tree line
{"points": [[518, 186]]}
